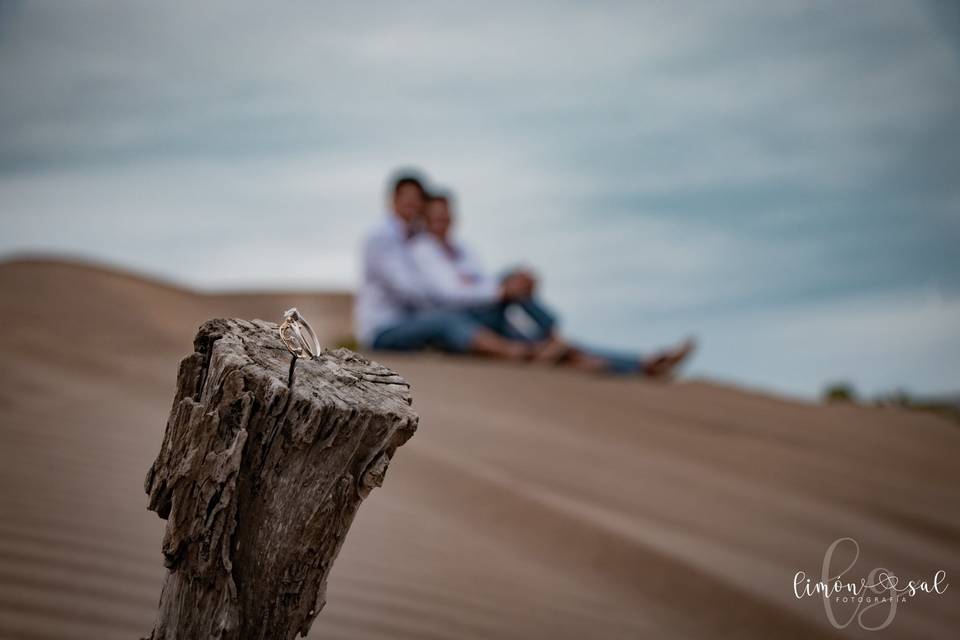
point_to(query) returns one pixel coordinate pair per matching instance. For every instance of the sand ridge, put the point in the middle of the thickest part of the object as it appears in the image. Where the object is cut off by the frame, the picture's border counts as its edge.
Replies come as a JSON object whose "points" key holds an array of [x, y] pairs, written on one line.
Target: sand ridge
{"points": [[531, 503]]}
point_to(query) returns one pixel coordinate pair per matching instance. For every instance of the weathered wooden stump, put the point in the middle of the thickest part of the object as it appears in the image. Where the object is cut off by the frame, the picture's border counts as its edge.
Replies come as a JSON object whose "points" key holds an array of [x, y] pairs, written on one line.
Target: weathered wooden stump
{"points": [[259, 483]]}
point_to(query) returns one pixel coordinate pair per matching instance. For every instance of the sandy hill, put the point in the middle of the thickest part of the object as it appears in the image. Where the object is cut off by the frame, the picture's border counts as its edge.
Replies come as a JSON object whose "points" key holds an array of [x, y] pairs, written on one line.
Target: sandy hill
{"points": [[531, 503]]}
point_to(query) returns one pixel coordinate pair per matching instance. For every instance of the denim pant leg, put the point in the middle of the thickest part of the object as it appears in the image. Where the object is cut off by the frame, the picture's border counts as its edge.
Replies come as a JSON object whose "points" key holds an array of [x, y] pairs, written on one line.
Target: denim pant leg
{"points": [[544, 319], [617, 361], [492, 317], [446, 329], [538, 324]]}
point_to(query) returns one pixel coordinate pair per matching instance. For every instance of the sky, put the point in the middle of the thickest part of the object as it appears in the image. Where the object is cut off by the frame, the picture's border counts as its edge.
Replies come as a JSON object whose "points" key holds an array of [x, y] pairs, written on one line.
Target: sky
{"points": [[780, 179]]}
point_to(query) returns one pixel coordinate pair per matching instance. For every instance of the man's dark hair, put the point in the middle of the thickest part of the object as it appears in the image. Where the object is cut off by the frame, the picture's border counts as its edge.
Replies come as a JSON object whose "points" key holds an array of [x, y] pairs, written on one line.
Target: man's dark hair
{"points": [[404, 178]]}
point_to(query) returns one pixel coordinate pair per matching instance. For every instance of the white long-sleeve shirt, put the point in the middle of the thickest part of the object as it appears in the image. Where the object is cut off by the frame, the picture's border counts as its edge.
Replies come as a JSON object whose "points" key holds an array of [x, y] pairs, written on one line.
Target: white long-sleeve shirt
{"points": [[391, 288], [450, 279]]}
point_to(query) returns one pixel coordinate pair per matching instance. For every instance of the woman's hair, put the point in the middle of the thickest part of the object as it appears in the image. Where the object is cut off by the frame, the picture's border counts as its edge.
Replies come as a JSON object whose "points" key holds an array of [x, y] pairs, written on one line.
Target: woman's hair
{"points": [[441, 195]]}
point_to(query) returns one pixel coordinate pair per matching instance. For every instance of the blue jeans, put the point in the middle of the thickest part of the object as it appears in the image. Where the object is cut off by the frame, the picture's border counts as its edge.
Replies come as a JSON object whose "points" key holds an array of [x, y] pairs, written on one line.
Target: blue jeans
{"points": [[445, 329], [541, 324], [454, 330], [617, 361]]}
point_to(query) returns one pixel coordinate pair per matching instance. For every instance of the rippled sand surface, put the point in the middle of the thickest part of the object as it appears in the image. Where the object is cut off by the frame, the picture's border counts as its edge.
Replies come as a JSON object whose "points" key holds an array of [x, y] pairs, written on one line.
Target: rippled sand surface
{"points": [[530, 504]]}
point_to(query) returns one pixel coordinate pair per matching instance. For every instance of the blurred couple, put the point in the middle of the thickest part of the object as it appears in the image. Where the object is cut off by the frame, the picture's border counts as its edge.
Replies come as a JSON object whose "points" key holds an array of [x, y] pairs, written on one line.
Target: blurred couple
{"points": [[423, 289]]}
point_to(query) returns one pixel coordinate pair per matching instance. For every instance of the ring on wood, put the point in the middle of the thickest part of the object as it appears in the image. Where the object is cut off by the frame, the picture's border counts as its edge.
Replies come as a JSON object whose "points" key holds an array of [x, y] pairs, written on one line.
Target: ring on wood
{"points": [[298, 336]]}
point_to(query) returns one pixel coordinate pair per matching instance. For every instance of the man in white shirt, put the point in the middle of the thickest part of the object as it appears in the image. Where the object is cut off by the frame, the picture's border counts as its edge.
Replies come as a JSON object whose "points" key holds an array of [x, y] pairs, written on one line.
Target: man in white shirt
{"points": [[394, 309]]}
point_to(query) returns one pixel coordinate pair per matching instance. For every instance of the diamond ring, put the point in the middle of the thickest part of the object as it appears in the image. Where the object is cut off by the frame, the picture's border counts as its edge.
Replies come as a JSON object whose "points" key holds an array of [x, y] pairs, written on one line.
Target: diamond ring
{"points": [[298, 336]]}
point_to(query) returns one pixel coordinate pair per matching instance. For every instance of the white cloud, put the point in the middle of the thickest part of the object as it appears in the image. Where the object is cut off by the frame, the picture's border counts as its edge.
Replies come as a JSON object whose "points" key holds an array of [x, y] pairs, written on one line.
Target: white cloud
{"points": [[667, 166]]}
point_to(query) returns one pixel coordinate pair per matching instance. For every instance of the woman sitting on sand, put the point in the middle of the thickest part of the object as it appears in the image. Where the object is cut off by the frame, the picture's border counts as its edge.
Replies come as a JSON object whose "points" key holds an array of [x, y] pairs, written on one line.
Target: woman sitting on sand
{"points": [[454, 279]]}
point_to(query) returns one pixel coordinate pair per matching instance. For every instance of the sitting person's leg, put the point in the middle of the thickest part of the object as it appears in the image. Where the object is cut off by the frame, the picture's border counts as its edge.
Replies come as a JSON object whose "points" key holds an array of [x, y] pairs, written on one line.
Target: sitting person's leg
{"points": [[535, 323], [540, 327], [543, 318], [492, 317], [525, 319], [660, 365], [448, 330], [531, 319]]}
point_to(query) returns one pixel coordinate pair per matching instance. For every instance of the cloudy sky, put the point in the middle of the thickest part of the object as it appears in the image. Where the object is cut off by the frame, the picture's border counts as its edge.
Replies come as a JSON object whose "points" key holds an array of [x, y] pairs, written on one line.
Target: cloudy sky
{"points": [[780, 178]]}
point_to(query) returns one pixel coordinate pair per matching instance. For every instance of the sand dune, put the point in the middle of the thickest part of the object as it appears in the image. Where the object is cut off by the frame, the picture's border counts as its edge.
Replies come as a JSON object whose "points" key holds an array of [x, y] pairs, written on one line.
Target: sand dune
{"points": [[530, 504]]}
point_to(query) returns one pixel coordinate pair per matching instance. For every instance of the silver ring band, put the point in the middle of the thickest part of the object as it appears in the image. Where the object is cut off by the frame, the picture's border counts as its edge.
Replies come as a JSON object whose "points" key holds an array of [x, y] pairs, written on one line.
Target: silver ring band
{"points": [[298, 336]]}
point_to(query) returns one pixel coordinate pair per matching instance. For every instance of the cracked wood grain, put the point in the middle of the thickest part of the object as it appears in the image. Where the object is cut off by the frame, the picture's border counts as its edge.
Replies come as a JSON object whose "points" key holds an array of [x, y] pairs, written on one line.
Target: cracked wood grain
{"points": [[259, 482]]}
